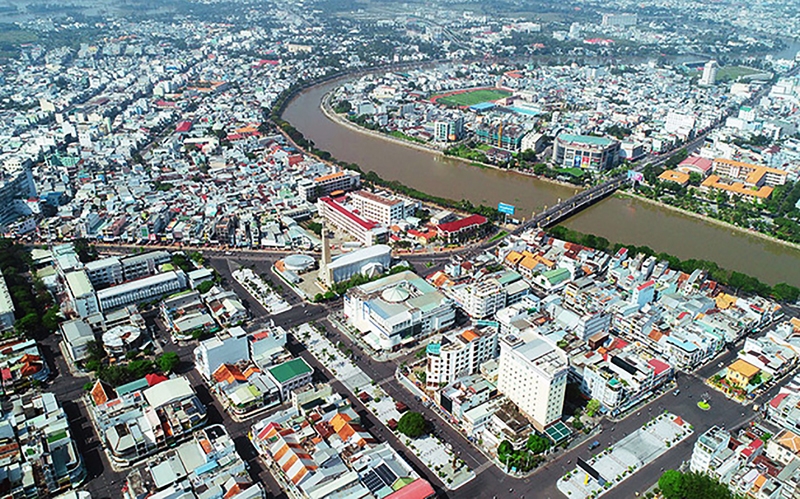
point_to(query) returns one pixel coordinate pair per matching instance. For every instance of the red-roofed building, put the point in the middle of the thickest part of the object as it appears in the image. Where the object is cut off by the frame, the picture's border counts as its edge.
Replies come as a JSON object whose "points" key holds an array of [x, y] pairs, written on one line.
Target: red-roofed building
{"points": [[183, 127], [457, 231], [365, 232], [418, 489], [695, 164]]}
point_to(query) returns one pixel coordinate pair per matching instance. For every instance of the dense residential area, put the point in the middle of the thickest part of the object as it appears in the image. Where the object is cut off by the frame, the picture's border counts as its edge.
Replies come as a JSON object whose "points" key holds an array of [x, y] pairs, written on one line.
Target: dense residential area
{"points": [[376, 250]]}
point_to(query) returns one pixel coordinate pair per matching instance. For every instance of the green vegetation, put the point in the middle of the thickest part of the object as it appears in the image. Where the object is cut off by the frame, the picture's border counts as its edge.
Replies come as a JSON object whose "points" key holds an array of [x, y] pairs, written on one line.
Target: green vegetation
{"points": [[163, 186], [314, 227], [471, 98], [168, 361], [182, 261], [463, 151], [35, 312], [412, 424], [400, 135], [592, 407], [727, 73], [341, 288], [736, 281], [342, 107], [522, 459], [119, 374], [537, 443], [86, 252], [499, 235], [676, 485], [204, 287]]}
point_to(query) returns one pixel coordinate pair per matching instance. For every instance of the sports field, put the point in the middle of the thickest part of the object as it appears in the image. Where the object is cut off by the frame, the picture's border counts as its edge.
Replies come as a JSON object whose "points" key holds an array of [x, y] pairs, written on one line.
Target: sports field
{"points": [[470, 97]]}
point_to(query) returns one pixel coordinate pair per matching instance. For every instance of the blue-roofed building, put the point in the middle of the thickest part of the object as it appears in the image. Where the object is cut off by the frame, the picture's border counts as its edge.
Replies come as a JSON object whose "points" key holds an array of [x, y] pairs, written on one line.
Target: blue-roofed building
{"points": [[397, 310]]}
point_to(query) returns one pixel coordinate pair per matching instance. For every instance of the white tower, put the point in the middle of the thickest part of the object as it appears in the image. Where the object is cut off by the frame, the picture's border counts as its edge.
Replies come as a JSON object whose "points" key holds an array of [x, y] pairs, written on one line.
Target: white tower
{"points": [[709, 73]]}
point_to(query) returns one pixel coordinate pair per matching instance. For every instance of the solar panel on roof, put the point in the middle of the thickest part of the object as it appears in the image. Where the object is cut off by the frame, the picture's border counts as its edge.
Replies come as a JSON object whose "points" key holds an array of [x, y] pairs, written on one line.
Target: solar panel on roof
{"points": [[372, 481], [386, 474]]}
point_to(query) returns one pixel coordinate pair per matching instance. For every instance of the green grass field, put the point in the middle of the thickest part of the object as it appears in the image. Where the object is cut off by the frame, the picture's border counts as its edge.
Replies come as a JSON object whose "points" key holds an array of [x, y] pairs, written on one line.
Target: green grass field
{"points": [[474, 97], [734, 72]]}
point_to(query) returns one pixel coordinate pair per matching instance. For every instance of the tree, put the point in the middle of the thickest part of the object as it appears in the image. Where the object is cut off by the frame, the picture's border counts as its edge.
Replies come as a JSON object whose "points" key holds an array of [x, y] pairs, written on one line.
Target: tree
{"points": [[412, 424], [592, 407], [785, 293], [504, 448], [50, 319], [168, 361], [671, 484], [537, 443], [85, 251], [204, 287], [695, 178]]}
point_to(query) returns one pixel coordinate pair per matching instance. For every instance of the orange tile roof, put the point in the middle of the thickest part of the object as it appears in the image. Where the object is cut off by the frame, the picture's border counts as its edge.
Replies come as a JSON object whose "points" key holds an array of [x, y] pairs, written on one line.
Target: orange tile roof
{"points": [[714, 181], [674, 176], [744, 368], [329, 177], [470, 335]]}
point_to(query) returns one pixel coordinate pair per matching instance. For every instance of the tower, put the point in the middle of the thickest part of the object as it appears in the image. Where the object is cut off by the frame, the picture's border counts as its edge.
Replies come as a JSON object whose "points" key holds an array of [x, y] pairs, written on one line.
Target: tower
{"points": [[709, 73], [325, 275]]}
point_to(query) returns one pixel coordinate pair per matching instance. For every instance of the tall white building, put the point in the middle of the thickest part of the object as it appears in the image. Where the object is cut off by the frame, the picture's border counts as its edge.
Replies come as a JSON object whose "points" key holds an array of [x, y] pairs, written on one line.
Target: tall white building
{"points": [[533, 375], [458, 354], [230, 347], [708, 446], [709, 73]]}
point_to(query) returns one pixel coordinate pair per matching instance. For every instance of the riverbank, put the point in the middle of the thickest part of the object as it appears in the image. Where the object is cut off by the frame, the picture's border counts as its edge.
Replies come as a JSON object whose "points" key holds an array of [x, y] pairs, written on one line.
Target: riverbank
{"points": [[706, 218], [327, 110]]}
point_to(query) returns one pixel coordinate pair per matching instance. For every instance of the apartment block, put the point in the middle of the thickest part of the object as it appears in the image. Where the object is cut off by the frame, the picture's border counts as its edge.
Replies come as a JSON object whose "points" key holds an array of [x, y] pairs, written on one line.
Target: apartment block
{"points": [[459, 354], [533, 375]]}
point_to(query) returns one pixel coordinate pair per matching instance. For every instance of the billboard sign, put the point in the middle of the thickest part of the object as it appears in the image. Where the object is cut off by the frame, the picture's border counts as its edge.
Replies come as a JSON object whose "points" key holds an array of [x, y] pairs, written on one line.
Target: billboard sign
{"points": [[505, 208]]}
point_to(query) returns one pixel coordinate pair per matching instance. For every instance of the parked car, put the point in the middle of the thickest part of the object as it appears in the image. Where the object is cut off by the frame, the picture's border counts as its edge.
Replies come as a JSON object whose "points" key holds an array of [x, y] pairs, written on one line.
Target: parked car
{"points": [[594, 445]]}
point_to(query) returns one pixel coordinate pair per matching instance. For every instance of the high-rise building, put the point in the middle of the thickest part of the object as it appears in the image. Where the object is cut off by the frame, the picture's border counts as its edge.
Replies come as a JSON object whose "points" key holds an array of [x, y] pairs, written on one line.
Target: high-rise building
{"points": [[709, 73], [533, 375], [459, 354], [585, 151]]}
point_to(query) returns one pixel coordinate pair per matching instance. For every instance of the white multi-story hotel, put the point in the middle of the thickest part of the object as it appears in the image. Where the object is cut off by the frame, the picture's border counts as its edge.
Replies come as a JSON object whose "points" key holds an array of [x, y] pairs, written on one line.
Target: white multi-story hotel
{"points": [[533, 375], [480, 299], [82, 294], [458, 354], [397, 310]]}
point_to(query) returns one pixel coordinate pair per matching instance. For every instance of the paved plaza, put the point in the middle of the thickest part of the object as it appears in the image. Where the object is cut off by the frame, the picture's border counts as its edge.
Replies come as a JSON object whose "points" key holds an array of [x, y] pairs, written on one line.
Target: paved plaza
{"points": [[618, 462]]}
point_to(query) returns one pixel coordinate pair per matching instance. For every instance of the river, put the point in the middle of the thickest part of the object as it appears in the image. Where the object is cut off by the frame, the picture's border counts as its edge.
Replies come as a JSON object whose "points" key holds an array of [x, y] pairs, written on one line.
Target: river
{"points": [[619, 220]]}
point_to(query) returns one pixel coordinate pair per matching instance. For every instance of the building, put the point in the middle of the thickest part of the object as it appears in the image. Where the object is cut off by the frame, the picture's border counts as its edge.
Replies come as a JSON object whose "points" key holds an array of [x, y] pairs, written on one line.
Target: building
{"points": [[751, 175], [709, 73], [77, 335], [784, 447], [533, 375], [624, 20], [229, 347], [480, 298], [105, 272], [502, 136], [585, 151], [6, 307], [186, 316], [383, 209], [16, 186], [740, 373], [136, 266], [290, 375], [207, 465], [141, 290], [448, 130], [243, 389], [459, 354], [372, 260], [709, 445], [81, 293], [363, 231], [397, 309], [461, 230], [533, 141], [143, 417], [338, 181], [40, 457]]}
